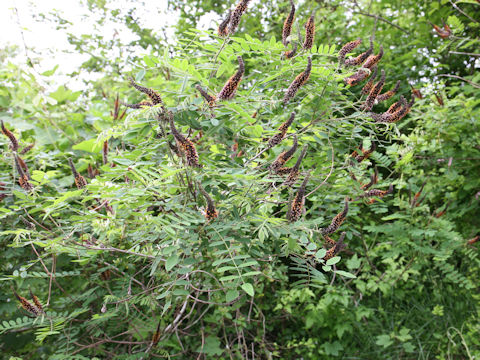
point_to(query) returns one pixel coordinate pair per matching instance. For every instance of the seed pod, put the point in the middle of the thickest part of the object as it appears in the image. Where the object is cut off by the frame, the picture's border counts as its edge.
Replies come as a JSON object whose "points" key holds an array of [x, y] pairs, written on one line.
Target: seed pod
{"points": [[281, 159], [294, 172], [79, 179], [9, 134], [287, 25], [359, 76], [231, 85], [210, 212], [296, 206], [369, 85], [222, 28], [236, 16], [290, 53], [300, 80], [37, 303], [376, 89], [282, 130], [32, 309], [347, 48], [152, 94], [22, 177], [185, 146], [337, 220], [140, 105], [387, 95], [208, 98], [339, 246], [309, 33]]}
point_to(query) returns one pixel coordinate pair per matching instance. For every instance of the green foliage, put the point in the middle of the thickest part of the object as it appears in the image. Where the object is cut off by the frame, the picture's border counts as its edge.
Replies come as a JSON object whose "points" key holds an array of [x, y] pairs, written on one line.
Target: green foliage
{"points": [[152, 278]]}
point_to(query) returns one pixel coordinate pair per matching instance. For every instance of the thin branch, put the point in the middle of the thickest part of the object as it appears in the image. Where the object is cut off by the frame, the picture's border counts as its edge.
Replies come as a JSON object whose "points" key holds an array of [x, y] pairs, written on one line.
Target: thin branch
{"points": [[463, 12], [475, 85], [463, 53]]}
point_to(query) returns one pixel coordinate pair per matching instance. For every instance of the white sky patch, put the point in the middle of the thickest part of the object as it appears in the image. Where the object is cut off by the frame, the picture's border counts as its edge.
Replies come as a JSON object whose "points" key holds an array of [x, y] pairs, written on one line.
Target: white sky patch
{"points": [[50, 45]]}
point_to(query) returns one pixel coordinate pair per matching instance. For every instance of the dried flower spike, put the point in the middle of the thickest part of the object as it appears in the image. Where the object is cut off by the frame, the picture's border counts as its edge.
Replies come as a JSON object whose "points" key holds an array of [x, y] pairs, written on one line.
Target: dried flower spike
{"points": [[287, 25], [210, 212], [300, 80], [373, 59], [443, 33], [236, 16], [359, 59], [373, 180], [231, 85], [140, 105], [296, 206], [24, 167], [337, 220], [37, 302], [329, 242], [105, 152], [290, 53], [22, 177], [185, 145], [347, 48], [210, 99], [27, 149], [222, 28], [369, 85], [309, 33], [27, 305], [152, 94], [387, 95], [79, 179], [399, 109], [473, 240], [283, 158], [365, 153], [359, 76], [9, 134], [376, 89], [294, 172], [282, 131], [339, 246], [378, 193]]}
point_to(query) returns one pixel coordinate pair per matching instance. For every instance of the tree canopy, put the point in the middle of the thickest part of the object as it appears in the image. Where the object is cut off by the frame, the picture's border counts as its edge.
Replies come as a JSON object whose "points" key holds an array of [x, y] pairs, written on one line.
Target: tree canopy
{"points": [[257, 187]]}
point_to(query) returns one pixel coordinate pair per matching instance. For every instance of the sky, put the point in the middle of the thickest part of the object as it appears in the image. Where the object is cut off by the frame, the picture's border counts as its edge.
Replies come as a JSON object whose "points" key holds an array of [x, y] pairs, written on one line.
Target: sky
{"points": [[20, 25]]}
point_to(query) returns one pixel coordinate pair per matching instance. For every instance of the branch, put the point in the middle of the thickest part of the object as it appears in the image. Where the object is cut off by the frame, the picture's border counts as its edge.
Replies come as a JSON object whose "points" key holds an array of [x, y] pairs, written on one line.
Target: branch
{"points": [[475, 85]]}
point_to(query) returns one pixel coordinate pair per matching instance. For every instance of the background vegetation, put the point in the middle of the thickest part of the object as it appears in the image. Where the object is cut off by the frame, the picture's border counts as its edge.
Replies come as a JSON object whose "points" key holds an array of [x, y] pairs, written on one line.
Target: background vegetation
{"points": [[151, 278]]}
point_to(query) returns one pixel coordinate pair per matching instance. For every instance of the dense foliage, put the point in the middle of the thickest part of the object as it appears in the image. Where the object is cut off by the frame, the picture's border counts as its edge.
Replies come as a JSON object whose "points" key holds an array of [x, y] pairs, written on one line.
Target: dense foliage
{"points": [[136, 264]]}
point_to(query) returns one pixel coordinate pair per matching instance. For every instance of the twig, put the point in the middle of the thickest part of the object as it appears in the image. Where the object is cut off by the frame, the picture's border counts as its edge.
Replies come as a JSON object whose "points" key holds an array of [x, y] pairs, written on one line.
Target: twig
{"points": [[463, 53], [475, 85], [463, 12]]}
